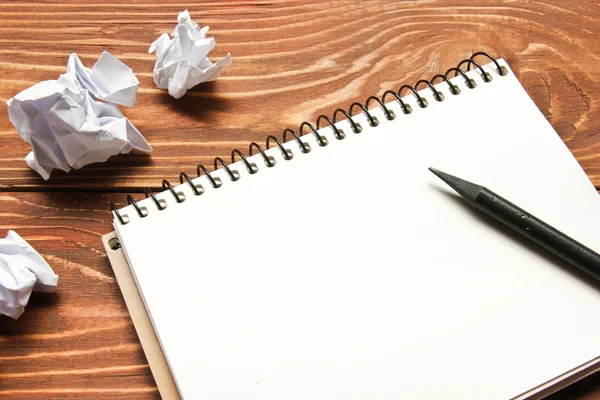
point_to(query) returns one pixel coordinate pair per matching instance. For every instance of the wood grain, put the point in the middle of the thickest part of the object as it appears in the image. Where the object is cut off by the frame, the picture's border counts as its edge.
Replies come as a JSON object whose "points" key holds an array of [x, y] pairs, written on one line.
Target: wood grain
{"points": [[78, 341], [291, 62]]}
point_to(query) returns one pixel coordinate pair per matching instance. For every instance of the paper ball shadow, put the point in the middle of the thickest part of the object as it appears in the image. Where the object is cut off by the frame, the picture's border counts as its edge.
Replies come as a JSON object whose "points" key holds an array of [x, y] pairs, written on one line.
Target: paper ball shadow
{"points": [[43, 300], [36, 310], [95, 177], [197, 102]]}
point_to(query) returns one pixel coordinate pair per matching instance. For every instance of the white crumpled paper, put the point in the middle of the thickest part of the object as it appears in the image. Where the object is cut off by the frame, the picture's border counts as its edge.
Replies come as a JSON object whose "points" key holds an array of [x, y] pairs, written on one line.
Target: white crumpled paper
{"points": [[182, 62], [22, 270], [65, 123]]}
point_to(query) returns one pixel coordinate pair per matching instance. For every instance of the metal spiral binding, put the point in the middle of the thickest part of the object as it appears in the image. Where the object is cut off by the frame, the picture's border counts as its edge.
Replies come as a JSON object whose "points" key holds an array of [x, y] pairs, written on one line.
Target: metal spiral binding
{"points": [[322, 141]]}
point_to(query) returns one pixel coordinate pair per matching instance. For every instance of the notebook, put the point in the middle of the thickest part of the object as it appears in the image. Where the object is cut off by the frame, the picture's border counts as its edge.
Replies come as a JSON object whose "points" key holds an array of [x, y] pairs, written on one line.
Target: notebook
{"points": [[331, 264]]}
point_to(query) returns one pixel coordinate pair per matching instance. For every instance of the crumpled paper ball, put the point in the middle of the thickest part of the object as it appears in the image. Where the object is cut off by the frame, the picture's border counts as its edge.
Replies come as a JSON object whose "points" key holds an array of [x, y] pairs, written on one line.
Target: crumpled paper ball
{"points": [[22, 270], [66, 124], [182, 62]]}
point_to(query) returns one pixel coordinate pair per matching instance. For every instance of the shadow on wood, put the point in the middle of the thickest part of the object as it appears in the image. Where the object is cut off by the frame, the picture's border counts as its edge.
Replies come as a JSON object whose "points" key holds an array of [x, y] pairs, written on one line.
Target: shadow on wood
{"points": [[93, 177], [197, 102]]}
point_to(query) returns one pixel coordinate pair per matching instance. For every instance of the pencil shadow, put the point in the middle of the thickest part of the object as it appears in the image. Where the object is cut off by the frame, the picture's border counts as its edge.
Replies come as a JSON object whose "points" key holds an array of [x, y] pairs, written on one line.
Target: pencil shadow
{"points": [[518, 240], [197, 102]]}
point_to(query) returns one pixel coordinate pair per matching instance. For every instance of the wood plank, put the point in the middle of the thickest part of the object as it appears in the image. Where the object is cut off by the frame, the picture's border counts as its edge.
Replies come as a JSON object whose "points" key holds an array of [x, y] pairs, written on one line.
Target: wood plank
{"points": [[292, 61], [78, 341]]}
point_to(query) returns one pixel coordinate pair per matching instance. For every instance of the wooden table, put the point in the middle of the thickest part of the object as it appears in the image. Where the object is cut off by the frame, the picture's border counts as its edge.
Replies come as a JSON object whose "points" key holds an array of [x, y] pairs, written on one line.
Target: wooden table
{"points": [[291, 62]]}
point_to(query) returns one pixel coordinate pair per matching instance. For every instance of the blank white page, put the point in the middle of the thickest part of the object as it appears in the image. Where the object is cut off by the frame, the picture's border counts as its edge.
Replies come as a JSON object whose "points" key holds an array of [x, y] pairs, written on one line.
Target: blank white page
{"points": [[352, 272]]}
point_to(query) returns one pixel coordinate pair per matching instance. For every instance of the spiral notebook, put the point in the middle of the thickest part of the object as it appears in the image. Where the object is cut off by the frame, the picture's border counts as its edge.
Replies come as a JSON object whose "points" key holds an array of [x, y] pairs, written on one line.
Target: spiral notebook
{"points": [[329, 263]]}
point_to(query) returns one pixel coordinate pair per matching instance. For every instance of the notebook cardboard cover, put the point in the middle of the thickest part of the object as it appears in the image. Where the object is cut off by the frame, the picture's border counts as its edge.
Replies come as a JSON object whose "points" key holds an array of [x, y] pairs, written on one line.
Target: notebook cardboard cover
{"points": [[141, 321], [160, 369]]}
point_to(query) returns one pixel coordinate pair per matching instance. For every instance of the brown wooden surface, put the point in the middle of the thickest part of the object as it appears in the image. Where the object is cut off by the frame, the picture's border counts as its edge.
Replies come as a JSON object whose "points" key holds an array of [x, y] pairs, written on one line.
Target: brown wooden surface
{"points": [[291, 62]]}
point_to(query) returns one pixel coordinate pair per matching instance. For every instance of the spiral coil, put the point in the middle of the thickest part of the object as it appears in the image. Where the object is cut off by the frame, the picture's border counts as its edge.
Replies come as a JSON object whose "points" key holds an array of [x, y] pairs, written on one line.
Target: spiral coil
{"points": [[308, 128]]}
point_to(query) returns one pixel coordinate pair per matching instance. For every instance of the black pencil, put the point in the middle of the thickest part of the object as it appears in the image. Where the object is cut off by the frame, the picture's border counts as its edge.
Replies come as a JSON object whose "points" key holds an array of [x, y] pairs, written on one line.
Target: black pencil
{"points": [[526, 224]]}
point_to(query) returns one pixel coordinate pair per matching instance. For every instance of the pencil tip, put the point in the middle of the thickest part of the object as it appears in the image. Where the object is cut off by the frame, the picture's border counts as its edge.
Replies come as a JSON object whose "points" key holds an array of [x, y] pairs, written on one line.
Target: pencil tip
{"points": [[435, 171], [465, 188]]}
